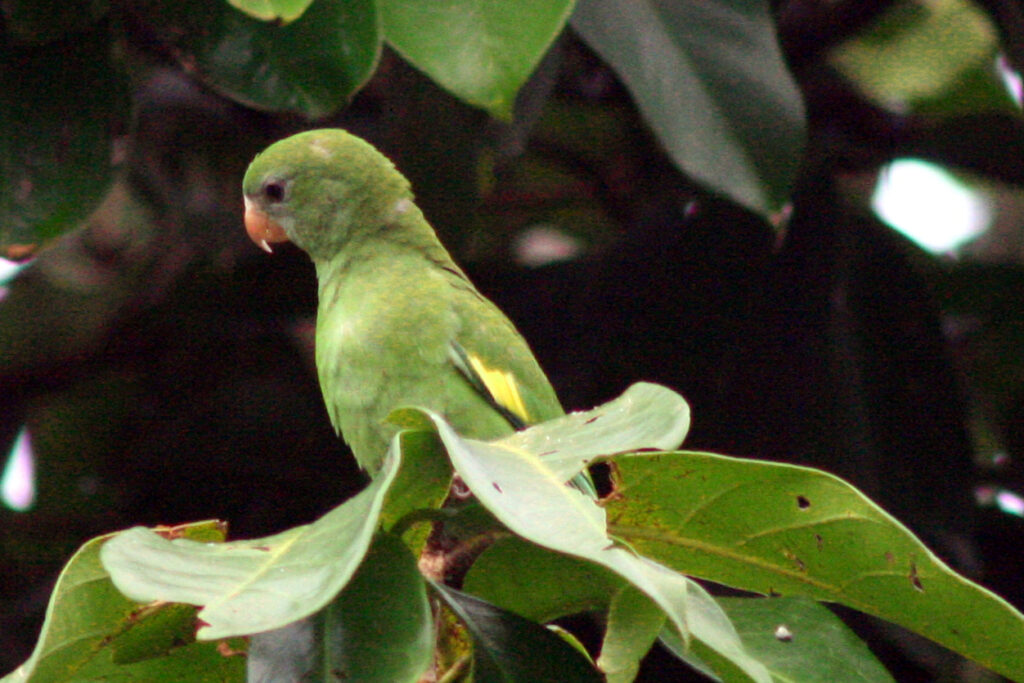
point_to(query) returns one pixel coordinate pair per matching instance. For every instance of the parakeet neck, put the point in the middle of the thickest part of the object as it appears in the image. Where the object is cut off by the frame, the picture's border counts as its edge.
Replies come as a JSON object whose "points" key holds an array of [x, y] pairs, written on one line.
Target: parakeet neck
{"points": [[404, 236]]}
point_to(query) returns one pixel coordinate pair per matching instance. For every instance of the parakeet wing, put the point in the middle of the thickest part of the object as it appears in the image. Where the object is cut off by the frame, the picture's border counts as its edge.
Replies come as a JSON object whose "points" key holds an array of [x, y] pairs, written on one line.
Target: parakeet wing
{"points": [[387, 338], [497, 362]]}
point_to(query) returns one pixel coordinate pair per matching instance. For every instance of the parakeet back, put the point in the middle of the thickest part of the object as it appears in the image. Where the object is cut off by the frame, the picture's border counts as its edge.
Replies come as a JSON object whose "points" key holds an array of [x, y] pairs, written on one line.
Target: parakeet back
{"points": [[398, 322]]}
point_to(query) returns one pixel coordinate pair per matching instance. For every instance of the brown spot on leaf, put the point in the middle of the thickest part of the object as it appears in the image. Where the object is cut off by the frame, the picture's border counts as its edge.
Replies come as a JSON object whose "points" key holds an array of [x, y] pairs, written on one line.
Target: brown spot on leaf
{"points": [[496, 487], [792, 557], [219, 531], [819, 540], [802, 502]]}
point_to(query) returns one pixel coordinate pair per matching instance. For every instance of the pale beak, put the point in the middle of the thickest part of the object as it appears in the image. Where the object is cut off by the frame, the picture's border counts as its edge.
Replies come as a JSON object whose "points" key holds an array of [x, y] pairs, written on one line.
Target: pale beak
{"points": [[262, 230]]}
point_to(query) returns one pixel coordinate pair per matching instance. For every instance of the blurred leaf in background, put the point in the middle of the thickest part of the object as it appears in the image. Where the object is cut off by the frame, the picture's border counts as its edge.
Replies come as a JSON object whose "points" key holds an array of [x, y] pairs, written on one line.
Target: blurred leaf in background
{"points": [[63, 104], [717, 67]]}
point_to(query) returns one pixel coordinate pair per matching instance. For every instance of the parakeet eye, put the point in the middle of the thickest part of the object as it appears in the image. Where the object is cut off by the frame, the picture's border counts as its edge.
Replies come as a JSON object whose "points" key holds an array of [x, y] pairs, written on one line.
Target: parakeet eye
{"points": [[274, 192]]}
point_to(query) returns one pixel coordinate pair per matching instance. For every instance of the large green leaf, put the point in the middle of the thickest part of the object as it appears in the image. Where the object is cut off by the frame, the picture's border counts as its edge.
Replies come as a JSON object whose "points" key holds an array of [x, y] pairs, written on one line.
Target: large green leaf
{"points": [[92, 632], [527, 496], [381, 628], [782, 529], [255, 585], [378, 629], [311, 66], [60, 107], [711, 81], [422, 482], [537, 583], [799, 639], [934, 57], [482, 52], [508, 648], [542, 585], [632, 627]]}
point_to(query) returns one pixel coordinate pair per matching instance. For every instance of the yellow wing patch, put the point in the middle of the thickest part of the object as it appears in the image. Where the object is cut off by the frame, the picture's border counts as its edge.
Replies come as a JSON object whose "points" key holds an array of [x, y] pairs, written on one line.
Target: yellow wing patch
{"points": [[502, 387]]}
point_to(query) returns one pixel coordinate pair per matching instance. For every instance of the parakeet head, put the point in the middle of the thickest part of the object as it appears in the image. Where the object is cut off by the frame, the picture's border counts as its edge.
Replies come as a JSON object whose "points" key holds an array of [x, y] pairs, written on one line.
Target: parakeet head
{"points": [[319, 189]]}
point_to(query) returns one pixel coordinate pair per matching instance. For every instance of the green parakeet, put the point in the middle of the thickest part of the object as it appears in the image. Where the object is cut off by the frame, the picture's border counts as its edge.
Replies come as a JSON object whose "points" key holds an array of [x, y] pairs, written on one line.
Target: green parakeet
{"points": [[398, 322]]}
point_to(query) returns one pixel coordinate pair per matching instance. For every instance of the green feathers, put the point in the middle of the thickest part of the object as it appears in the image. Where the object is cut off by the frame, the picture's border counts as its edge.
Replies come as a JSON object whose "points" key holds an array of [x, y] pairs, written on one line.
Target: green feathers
{"points": [[398, 322]]}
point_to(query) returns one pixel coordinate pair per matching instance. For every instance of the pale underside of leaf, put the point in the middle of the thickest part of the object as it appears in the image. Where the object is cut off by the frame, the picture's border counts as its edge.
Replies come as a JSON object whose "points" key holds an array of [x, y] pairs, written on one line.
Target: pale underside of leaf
{"points": [[254, 585], [645, 416]]}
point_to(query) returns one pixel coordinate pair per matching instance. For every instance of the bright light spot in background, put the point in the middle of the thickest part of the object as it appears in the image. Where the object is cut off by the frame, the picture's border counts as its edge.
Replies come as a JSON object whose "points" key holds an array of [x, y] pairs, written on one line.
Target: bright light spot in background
{"points": [[929, 205], [1007, 501], [1010, 503], [1011, 79], [8, 269], [18, 483], [543, 244]]}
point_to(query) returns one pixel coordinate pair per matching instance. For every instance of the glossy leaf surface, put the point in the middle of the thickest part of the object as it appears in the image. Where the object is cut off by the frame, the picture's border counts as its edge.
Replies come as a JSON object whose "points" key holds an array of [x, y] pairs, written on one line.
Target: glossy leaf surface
{"points": [[711, 81]]}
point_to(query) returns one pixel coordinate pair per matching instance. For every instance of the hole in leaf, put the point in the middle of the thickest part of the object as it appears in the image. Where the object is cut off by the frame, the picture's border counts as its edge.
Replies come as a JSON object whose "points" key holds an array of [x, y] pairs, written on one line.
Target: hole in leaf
{"points": [[915, 581], [459, 488], [802, 502]]}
